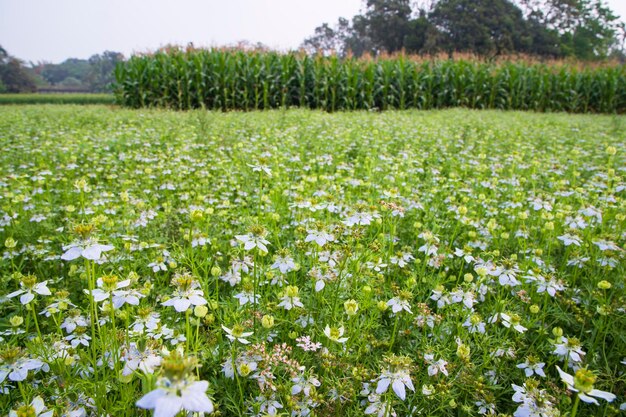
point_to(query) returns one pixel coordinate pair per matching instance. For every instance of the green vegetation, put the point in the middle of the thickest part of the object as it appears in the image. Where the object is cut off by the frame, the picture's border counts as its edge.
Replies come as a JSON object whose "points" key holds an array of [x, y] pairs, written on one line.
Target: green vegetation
{"points": [[580, 29], [14, 77], [239, 80], [95, 74], [435, 263], [57, 98]]}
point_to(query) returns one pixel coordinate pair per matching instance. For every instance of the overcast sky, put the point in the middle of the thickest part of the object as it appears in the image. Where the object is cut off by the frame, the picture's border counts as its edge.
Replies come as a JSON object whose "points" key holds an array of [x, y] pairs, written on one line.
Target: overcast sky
{"points": [[53, 30]]}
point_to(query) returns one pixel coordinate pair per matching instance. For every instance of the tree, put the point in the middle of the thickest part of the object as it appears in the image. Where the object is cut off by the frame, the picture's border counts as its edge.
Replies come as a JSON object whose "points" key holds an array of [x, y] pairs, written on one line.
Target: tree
{"points": [[483, 27], [415, 41], [586, 29], [71, 67], [328, 40], [101, 72], [13, 76], [387, 23]]}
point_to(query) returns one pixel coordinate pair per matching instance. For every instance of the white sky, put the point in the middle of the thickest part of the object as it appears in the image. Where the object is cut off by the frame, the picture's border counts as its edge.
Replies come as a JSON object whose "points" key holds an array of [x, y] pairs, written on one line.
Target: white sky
{"points": [[53, 30]]}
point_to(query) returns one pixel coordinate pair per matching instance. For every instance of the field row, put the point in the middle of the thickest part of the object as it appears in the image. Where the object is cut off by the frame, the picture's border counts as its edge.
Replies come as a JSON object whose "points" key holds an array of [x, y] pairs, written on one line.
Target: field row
{"points": [[237, 80]]}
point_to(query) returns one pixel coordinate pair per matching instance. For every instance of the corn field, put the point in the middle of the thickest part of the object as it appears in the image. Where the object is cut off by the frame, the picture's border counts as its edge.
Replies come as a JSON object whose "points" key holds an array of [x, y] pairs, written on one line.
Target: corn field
{"points": [[240, 80]]}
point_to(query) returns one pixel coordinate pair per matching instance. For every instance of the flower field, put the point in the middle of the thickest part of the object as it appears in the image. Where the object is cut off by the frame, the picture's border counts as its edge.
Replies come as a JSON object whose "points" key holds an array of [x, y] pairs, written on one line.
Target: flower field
{"points": [[297, 263]]}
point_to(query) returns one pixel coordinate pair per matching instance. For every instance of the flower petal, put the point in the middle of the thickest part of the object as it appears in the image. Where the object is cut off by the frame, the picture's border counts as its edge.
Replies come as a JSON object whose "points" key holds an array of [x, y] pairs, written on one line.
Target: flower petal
{"points": [[567, 378], [587, 399], [38, 404], [602, 394], [398, 388], [148, 401], [382, 386], [168, 406], [92, 252], [72, 253], [27, 298]]}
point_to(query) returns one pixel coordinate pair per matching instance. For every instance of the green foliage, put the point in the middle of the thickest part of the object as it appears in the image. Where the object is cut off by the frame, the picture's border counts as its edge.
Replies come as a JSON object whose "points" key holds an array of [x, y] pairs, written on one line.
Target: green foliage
{"points": [[485, 27], [238, 80], [63, 98], [585, 29], [14, 78], [95, 74], [71, 67]]}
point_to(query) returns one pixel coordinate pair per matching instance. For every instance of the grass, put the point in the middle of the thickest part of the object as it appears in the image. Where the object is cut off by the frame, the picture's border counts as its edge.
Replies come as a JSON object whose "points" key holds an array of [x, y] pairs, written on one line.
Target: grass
{"points": [[435, 263], [57, 98]]}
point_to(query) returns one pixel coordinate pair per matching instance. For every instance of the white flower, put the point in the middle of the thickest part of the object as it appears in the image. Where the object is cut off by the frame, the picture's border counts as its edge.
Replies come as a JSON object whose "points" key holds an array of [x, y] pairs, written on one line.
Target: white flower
{"points": [[513, 320], [246, 297], [435, 366], [378, 407], [319, 236], [284, 264], [268, 406], [88, 249], [304, 385], [250, 242], [26, 292], [121, 297], [398, 304], [186, 294], [606, 245], [569, 348], [569, 239], [532, 367], [335, 334], [534, 402], [70, 323], [232, 277], [237, 333], [17, 369], [398, 381], [361, 219], [37, 408], [173, 398], [485, 408], [78, 338], [583, 385], [402, 259], [465, 254], [104, 291], [474, 324], [149, 322], [146, 361], [261, 168], [290, 298]]}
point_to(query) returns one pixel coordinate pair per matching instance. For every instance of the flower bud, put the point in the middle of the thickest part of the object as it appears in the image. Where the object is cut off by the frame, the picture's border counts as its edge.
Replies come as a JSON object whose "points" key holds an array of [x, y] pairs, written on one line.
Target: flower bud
{"points": [[267, 321], [200, 311]]}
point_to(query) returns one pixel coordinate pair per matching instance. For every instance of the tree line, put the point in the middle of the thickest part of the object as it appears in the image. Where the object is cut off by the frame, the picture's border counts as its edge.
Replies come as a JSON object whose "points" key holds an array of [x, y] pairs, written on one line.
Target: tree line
{"points": [[95, 74], [580, 29]]}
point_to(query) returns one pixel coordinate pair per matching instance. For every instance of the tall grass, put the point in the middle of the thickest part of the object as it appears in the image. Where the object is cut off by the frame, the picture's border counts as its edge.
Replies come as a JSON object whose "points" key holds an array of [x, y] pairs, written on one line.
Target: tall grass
{"points": [[250, 80]]}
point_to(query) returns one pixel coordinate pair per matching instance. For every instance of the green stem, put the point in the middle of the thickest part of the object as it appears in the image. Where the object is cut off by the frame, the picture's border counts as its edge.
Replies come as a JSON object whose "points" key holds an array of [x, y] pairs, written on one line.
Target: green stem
{"points": [[395, 331], [32, 309], [187, 327], [575, 407], [237, 377]]}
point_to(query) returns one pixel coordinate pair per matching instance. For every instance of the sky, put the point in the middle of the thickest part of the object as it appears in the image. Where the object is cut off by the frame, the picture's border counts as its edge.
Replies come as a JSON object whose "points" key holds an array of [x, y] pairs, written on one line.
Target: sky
{"points": [[54, 30]]}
